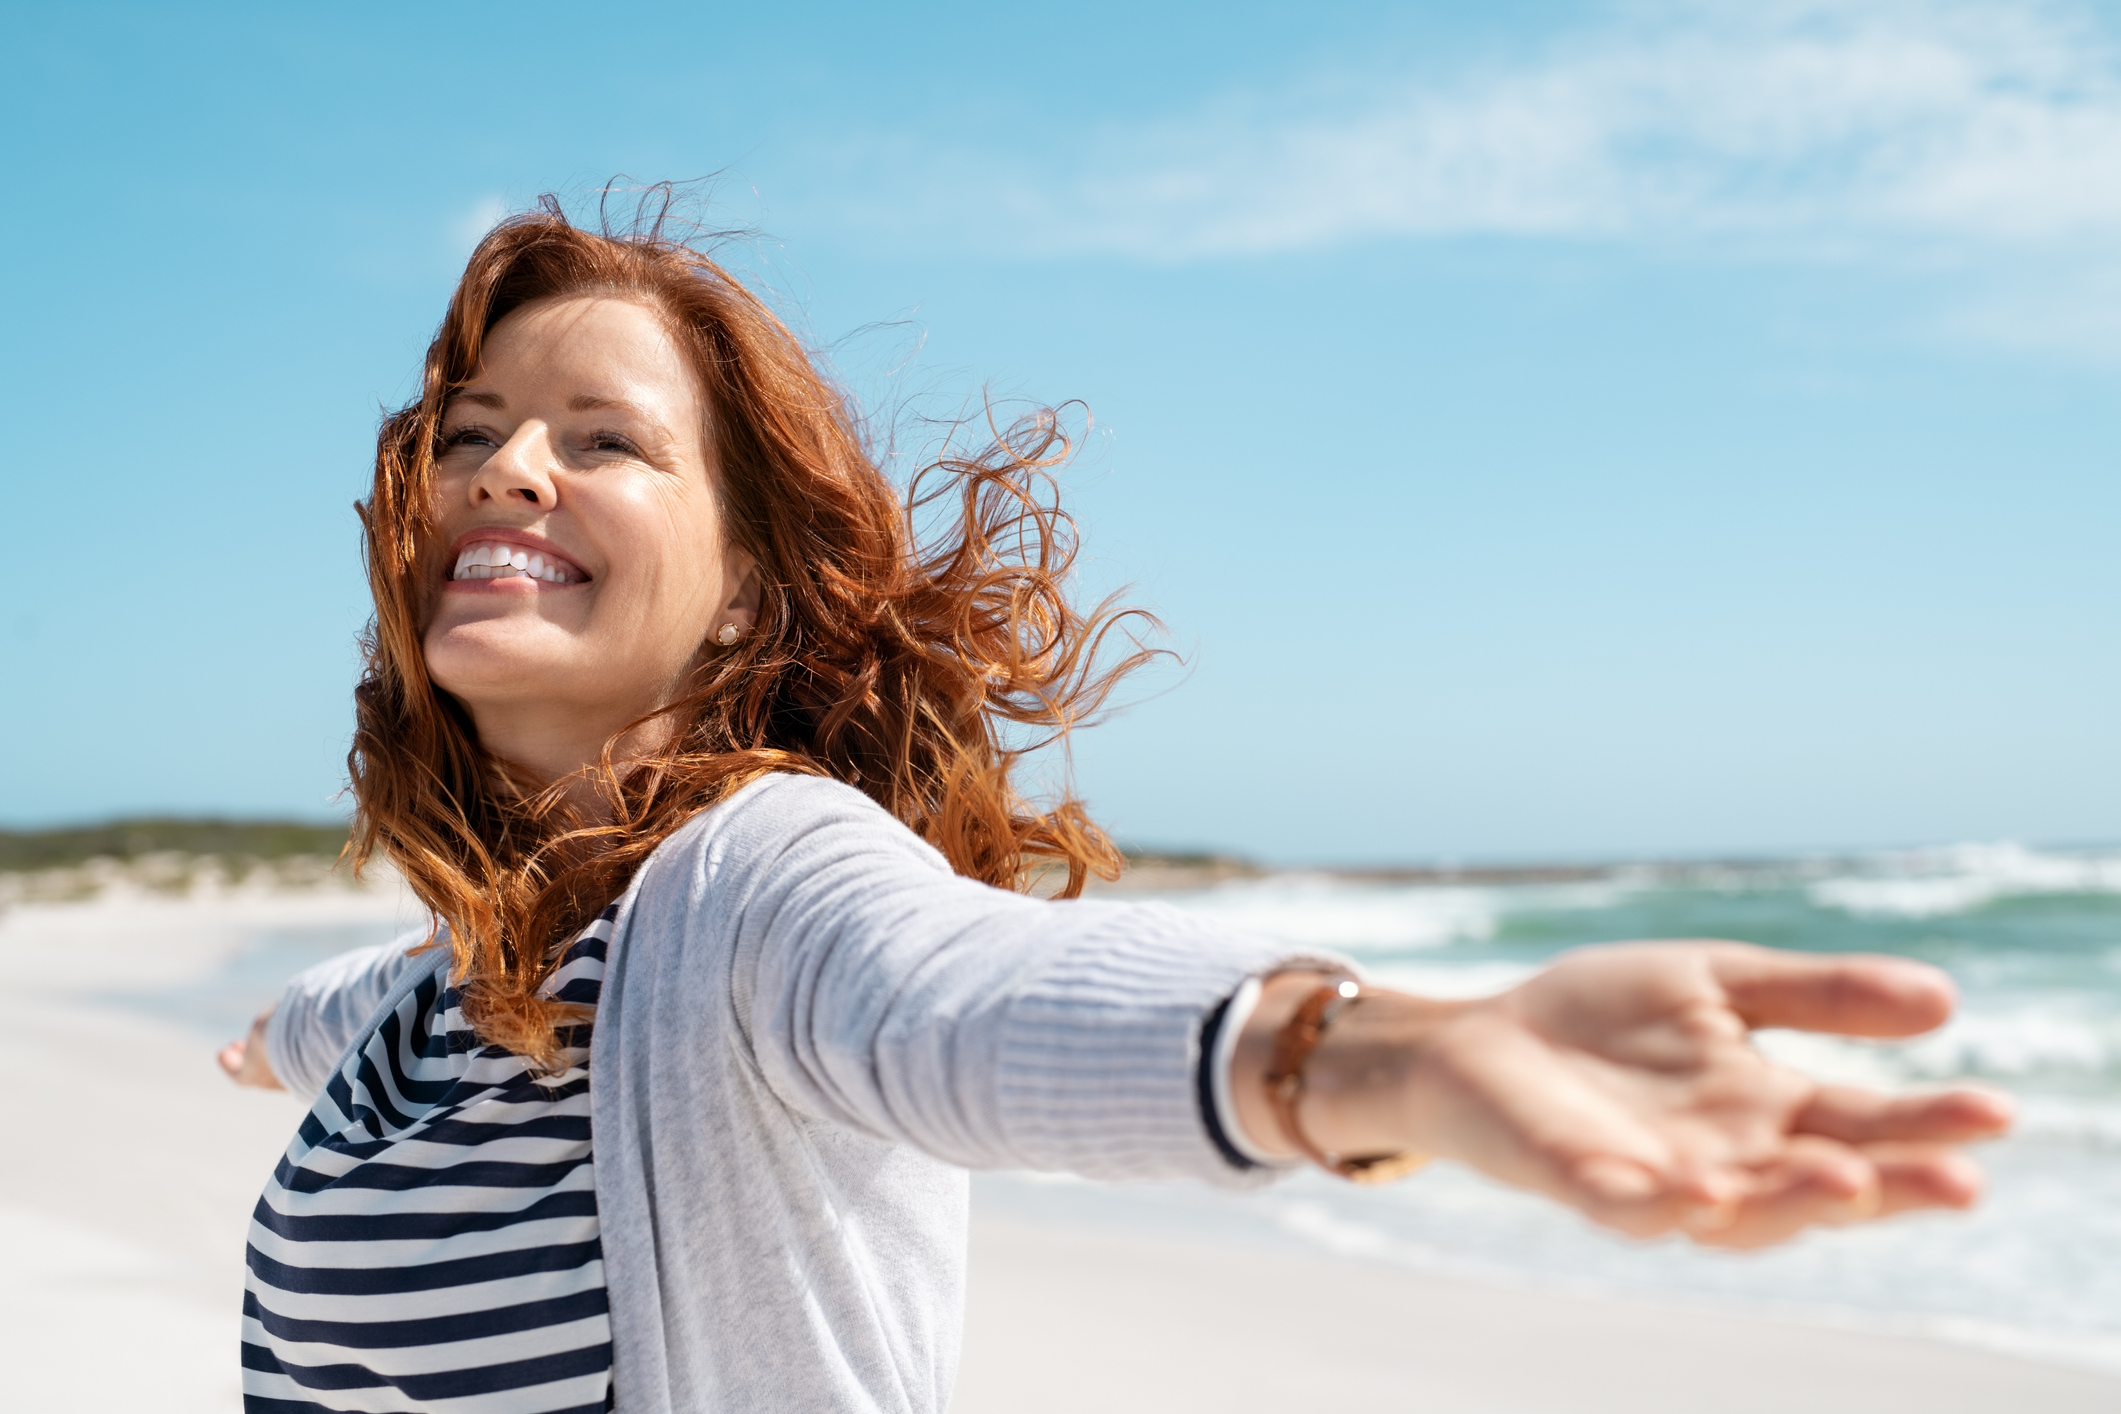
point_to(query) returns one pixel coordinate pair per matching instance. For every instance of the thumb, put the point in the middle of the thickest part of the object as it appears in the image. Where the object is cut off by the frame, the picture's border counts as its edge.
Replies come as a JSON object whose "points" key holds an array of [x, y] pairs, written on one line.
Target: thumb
{"points": [[1850, 993]]}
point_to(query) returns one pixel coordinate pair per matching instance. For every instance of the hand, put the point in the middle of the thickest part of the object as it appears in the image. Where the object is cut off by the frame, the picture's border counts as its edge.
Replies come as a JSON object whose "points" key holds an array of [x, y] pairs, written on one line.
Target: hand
{"points": [[1620, 1081], [244, 1061]]}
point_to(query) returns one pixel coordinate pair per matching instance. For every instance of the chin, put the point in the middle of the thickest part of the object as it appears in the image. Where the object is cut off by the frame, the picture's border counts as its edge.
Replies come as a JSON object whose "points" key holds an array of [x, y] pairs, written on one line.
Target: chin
{"points": [[498, 660]]}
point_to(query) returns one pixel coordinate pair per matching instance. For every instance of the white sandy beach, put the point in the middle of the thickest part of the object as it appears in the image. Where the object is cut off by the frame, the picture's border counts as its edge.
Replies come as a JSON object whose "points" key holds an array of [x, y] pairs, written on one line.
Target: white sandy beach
{"points": [[130, 1166]]}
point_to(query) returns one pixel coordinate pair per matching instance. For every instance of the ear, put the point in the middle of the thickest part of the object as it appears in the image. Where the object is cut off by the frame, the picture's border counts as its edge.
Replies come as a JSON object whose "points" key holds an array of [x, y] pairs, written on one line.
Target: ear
{"points": [[740, 581]]}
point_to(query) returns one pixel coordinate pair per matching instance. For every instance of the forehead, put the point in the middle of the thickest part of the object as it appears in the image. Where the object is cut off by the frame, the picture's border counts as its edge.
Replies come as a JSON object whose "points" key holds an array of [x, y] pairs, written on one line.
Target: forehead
{"points": [[596, 346]]}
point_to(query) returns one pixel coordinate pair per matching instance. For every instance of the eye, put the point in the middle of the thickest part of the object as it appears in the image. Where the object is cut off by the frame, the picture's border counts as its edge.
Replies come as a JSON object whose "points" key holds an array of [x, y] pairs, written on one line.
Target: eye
{"points": [[468, 437], [613, 442]]}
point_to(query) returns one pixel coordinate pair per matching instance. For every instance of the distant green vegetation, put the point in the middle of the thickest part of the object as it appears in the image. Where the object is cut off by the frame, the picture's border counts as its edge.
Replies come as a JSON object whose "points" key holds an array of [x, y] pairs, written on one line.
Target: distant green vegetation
{"points": [[127, 840], [22, 850], [1183, 858]]}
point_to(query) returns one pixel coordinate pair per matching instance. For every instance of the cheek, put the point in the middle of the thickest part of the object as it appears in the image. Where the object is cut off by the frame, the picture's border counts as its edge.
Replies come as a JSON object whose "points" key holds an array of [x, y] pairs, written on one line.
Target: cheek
{"points": [[668, 606], [660, 605]]}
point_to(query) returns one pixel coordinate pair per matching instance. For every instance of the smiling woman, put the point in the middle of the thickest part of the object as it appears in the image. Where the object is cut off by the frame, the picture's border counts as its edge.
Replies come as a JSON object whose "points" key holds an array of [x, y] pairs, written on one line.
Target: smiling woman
{"points": [[704, 766], [728, 587]]}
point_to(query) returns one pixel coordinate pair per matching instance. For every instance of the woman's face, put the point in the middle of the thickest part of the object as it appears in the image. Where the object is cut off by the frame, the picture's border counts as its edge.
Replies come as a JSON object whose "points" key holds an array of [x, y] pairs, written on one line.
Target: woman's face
{"points": [[581, 541]]}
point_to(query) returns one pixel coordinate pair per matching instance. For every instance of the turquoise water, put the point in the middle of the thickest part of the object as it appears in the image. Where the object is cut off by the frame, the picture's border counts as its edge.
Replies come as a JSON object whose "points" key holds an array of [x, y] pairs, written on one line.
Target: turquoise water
{"points": [[2034, 941]]}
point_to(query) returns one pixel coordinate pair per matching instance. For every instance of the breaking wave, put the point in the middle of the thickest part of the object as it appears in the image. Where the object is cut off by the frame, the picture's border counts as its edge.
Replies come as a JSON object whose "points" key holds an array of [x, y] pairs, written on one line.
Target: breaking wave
{"points": [[1322, 913], [1960, 878]]}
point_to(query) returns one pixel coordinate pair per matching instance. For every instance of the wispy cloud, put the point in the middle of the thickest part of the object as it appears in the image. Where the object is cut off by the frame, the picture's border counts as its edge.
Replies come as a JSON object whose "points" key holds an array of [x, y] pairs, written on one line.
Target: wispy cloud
{"points": [[1798, 125]]}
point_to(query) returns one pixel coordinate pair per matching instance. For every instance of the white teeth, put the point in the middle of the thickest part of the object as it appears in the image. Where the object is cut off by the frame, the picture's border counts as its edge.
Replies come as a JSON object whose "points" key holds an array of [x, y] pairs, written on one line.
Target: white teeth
{"points": [[490, 559]]}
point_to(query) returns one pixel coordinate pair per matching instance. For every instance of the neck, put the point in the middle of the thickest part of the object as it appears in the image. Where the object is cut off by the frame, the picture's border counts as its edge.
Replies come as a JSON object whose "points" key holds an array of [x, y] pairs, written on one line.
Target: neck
{"points": [[565, 745]]}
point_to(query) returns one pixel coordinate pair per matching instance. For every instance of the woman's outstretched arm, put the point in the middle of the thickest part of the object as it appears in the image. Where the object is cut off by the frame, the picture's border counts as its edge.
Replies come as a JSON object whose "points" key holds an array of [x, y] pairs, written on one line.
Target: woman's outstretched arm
{"points": [[294, 1043], [1621, 1081]]}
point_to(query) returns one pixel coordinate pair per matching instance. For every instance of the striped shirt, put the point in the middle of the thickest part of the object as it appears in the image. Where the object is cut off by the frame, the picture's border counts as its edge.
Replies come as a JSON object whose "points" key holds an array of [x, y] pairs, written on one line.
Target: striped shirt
{"points": [[429, 1241]]}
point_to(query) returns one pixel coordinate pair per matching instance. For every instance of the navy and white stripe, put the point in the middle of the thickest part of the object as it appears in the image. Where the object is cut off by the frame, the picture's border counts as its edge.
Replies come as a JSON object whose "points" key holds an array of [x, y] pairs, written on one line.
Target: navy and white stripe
{"points": [[429, 1242]]}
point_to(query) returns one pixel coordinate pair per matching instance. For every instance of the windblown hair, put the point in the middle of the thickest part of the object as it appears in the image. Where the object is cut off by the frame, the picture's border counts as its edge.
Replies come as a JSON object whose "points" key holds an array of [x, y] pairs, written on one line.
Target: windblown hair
{"points": [[917, 668]]}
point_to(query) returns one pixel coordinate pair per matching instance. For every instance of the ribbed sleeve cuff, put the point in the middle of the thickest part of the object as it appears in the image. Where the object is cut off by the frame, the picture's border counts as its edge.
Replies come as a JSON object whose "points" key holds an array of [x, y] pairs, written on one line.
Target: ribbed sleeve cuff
{"points": [[289, 1066], [1098, 1067]]}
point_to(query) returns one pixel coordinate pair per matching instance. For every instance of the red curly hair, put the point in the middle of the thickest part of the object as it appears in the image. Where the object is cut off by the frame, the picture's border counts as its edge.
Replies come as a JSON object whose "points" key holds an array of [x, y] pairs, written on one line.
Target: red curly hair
{"points": [[918, 669]]}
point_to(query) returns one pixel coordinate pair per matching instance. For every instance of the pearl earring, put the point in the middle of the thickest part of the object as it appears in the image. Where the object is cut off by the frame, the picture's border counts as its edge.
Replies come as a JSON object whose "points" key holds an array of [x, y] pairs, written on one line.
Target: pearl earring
{"points": [[728, 634]]}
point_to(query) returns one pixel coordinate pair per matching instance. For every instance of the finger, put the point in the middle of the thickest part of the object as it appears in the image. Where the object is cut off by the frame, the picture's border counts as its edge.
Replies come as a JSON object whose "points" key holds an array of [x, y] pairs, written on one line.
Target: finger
{"points": [[1917, 1176], [1854, 1116], [1709, 1189], [1854, 994], [1628, 1196], [1810, 1192], [1815, 1181], [231, 1058], [1649, 1200]]}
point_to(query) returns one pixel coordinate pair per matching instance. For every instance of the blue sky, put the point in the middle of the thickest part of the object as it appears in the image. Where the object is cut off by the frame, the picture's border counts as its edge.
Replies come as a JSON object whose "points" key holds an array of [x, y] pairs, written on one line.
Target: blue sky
{"points": [[1547, 429]]}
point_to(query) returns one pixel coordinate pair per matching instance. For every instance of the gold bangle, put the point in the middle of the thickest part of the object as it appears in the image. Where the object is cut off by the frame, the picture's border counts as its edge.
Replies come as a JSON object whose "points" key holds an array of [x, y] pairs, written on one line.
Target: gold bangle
{"points": [[1293, 1044]]}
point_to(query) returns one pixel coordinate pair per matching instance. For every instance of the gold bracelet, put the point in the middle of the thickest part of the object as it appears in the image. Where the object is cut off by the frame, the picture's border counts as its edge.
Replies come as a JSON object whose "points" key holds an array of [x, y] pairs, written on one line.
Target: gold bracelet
{"points": [[1293, 1044]]}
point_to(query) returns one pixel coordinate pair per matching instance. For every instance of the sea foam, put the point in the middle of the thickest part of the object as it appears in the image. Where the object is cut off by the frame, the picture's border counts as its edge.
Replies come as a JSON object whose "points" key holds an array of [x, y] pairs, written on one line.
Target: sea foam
{"points": [[1940, 882], [1307, 912]]}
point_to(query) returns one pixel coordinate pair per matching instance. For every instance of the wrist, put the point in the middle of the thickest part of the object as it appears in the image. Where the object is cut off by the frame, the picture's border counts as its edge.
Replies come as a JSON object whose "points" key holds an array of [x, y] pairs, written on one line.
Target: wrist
{"points": [[257, 1055], [1363, 1089], [1360, 1092]]}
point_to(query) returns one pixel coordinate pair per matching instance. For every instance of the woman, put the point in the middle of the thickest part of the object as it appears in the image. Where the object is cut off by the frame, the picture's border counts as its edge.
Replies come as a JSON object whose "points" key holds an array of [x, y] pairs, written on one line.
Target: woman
{"points": [[704, 768]]}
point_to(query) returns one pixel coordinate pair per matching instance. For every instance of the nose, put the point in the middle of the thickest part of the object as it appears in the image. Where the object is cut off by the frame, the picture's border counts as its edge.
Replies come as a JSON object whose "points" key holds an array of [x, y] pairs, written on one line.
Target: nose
{"points": [[519, 471]]}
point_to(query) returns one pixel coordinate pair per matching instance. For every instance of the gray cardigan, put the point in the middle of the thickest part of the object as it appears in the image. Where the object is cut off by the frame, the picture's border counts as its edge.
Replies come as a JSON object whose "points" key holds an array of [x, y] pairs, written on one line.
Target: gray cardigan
{"points": [[809, 1029]]}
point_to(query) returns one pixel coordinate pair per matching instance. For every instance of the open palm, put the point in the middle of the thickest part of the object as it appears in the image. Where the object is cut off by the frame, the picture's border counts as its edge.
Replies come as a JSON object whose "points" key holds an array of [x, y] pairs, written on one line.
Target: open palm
{"points": [[1622, 1082]]}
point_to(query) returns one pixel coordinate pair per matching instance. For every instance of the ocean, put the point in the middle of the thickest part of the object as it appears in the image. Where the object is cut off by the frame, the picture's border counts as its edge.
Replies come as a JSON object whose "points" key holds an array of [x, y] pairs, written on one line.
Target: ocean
{"points": [[2033, 940], [2032, 937]]}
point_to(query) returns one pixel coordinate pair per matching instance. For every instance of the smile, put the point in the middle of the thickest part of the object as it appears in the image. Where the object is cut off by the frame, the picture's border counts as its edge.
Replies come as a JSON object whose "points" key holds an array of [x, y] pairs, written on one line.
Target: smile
{"points": [[494, 559]]}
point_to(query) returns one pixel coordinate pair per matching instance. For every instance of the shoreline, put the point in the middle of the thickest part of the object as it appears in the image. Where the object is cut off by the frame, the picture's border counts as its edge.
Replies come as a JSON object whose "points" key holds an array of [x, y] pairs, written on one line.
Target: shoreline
{"points": [[59, 867]]}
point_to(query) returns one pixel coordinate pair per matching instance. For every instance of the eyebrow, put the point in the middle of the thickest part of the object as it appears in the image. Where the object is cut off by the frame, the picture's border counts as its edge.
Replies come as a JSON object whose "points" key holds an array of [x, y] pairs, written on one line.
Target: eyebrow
{"points": [[580, 402], [652, 429]]}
